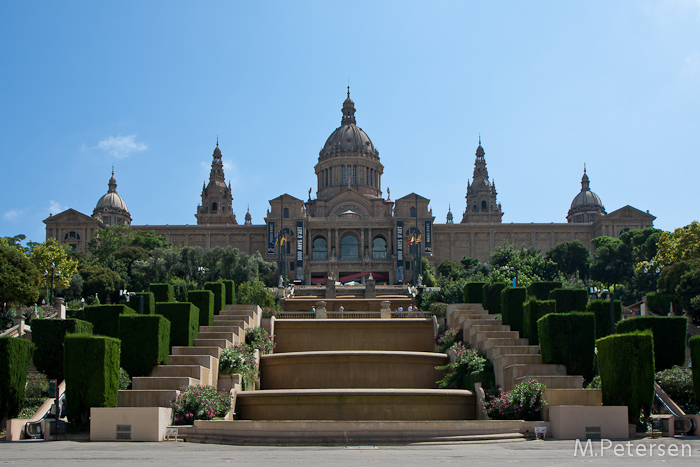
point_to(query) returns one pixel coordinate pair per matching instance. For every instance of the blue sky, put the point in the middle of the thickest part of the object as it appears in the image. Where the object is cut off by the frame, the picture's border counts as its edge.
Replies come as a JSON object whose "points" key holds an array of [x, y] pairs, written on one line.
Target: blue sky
{"points": [[148, 87]]}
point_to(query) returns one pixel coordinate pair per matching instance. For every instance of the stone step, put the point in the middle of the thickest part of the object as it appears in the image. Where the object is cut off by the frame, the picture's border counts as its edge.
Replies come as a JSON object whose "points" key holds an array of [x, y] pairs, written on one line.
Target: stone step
{"points": [[511, 373], [586, 397], [237, 331], [465, 321], [221, 343], [207, 361], [502, 361], [481, 332], [161, 382], [490, 342], [555, 382], [191, 371], [146, 398], [494, 352], [214, 351], [231, 336], [227, 321]]}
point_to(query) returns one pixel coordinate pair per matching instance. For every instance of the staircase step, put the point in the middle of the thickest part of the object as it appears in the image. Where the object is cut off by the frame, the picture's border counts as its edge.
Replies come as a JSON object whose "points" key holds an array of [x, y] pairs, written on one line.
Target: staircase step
{"points": [[502, 361], [586, 397], [494, 352], [220, 328], [555, 382], [191, 371], [228, 321], [511, 373], [161, 382], [221, 343], [233, 337], [488, 343], [478, 336], [146, 398], [207, 361], [214, 351]]}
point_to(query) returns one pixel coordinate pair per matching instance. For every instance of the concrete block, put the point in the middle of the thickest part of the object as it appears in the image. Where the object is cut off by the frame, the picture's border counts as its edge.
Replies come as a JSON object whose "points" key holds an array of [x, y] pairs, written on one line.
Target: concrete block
{"points": [[145, 423], [571, 421]]}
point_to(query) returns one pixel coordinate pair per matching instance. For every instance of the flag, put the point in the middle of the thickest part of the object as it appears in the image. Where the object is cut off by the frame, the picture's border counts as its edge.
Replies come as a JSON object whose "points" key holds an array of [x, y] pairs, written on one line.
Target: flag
{"points": [[418, 240], [283, 239], [273, 243], [411, 240]]}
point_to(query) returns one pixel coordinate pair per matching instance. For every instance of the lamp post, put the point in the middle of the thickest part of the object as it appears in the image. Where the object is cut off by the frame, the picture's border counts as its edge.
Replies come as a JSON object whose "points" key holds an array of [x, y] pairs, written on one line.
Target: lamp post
{"points": [[55, 274], [508, 269]]}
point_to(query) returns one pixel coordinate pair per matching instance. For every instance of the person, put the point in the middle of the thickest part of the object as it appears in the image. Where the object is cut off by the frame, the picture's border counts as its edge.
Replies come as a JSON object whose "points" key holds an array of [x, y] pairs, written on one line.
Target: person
{"points": [[410, 308], [313, 309], [342, 309], [400, 310]]}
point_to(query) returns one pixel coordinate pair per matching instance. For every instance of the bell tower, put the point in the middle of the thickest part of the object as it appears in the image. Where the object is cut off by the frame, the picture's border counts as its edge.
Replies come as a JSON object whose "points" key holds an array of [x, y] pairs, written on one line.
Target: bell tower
{"points": [[482, 207], [217, 201]]}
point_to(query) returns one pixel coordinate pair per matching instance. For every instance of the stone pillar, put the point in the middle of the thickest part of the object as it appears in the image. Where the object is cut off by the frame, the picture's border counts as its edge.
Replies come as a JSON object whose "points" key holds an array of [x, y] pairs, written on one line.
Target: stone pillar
{"points": [[321, 309], [370, 287], [19, 320], [59, 305], [330, 287], [385, 311]]}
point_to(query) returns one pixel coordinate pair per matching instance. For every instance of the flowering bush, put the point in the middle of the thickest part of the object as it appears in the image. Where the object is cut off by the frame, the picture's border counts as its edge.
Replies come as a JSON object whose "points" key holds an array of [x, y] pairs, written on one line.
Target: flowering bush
{"points": [[199, 403], [678, 384], [239, 360], [524, 402], [448, 338], [470, 366], [258, 338]]}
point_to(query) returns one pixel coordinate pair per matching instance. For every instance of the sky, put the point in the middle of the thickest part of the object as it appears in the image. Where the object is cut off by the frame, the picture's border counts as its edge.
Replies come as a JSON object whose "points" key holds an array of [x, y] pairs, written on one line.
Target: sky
{"points": [[148, 87]]}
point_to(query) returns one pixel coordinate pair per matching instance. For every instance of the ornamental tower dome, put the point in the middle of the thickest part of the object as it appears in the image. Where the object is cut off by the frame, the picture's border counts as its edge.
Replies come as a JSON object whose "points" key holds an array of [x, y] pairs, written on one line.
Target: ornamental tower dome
{"points": [[482, 206], [348, 159], [217, 201], [586, 206], [111, 208]]}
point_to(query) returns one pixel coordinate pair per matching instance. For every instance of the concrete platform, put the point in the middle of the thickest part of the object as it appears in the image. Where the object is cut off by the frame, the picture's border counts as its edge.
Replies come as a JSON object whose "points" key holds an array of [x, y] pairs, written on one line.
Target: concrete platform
{"points": [[144, 423]]}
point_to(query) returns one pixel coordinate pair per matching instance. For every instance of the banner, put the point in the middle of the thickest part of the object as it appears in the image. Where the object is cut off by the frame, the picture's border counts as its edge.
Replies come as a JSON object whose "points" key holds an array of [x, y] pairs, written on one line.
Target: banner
{"points": [[271, 238], [428, 237], [300, 250], [399, 251]]}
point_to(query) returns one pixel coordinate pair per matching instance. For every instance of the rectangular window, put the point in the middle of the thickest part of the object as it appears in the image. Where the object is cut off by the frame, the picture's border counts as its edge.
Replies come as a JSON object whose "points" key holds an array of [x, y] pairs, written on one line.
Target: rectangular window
{"points": [[367, 176], [330, 176], [342, 175], [354, 175]]}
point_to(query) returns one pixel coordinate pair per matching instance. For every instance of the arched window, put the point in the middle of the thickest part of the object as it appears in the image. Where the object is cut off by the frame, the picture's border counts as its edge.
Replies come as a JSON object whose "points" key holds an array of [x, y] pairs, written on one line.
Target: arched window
{"points": [[74, 235], [349, 247], [379, 248], [214, 207], [483, 206], [285, 213], [413, 211], [320, 248]]}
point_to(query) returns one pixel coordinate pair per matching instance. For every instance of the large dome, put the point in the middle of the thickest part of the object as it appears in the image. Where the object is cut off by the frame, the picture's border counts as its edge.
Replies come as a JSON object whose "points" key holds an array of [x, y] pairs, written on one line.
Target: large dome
{"points": [[586, 206], [349, 138], [111, 208]]}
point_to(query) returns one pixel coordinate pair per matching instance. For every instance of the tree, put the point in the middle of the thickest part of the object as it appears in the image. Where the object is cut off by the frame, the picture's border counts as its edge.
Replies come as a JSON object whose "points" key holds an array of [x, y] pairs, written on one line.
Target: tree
{"points": [[101, 281], [681, 245], [51, 258], [450, 270], [528, 263], [572, 258], [108, 241], [19, 278], [612, 261]]}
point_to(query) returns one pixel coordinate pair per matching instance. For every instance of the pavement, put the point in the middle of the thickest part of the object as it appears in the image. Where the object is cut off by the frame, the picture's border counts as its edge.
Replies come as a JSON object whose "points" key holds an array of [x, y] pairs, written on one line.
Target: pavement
{"points": [[670, 451]]}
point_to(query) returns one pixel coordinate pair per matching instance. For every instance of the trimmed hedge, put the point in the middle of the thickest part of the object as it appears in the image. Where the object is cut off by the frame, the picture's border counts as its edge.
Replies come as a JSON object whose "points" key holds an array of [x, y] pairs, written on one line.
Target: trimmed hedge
{"points": [[474, 292], [569, 339], [204, 301], [15, 357], [659, 303], [540, 290], [230, 289], [694, 344], [669, 337], [105, 318], [533, 310], [48, 336], [149, 303], [162, 292], [601, 309], [92, 374], [569, 299], [626, 363], [219, 295], [184, 322], [512, 300], [492, 297], [145, 343]]}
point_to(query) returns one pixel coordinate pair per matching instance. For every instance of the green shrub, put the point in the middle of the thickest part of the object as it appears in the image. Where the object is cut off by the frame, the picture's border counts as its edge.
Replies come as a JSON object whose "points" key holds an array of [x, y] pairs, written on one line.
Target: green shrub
{"points": [[569, 339], [219, 295], [239, 360], [145, 343], [255, 293], [230, 289], [470, 366], [438, 309], [204, 301], [184, 322], [533, 310], [678, 384], [626, 364], [199, 403], [659, 302], [105, 318], [694, 344], [92, 374], [524, 402], [569, 299], [124, 380], [474, 292], [540, 290], [492, 297], [15, 357], [149, 302], [448, 338], [37, 386], [162, 292], [512, 300], [601, 309], [669, 337], [48, 336], [258, 338]]}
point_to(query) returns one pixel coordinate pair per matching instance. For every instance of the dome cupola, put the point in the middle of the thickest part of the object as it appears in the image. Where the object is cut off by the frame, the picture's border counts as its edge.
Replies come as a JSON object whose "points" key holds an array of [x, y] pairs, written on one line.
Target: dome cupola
{"points": [[111, 208], [586, 206]]}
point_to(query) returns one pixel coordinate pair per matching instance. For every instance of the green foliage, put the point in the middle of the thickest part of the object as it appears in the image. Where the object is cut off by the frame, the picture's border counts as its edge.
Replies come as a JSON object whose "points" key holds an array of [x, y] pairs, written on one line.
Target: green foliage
{"points": [[569, 339], [100, 281], [220, 295], [184, 322], [37, 386], [474, 292], [448, 292], [92, 374], [524, 402], [258, 338], [204, 301], [239, 360], [162, 292], [688, 292], [512, 300], [569, 299], [527, 263], [601, 309], [124, 380], [438, 309], [678, 384], [541, 289], [149, 302], [105, 318], [19, 277], [626, 364], [492, 297], [121, 241], [694, 344], [683, 244], [199, 403], [612, 261], [659, 303], [470, 366], [533, 310], [49, 253], [448, 338], [451, 270], [428, 273], [572, 258], [230, 288], [255, 293], [669, 337], [15, 357], [48, 336], [145, 343]]}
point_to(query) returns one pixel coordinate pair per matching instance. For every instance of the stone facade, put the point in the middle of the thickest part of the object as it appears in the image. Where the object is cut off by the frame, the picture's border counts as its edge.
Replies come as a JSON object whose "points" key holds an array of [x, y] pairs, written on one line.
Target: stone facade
{"points": [[349, 229]]}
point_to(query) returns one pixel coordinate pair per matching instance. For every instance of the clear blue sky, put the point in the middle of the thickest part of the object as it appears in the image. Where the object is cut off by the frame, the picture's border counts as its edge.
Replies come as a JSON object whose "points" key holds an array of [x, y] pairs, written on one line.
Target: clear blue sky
{"points": [[148, 87]]}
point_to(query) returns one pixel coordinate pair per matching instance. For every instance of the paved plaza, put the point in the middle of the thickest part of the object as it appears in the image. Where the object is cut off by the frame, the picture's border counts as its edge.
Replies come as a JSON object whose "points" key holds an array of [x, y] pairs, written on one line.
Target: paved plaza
{"points": [[540, 453]]}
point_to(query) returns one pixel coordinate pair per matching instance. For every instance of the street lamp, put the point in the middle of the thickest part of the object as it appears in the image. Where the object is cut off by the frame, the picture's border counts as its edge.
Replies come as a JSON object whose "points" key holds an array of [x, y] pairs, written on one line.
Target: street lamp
{"points": [[202, 273], [55, 274], [508, 269]]}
